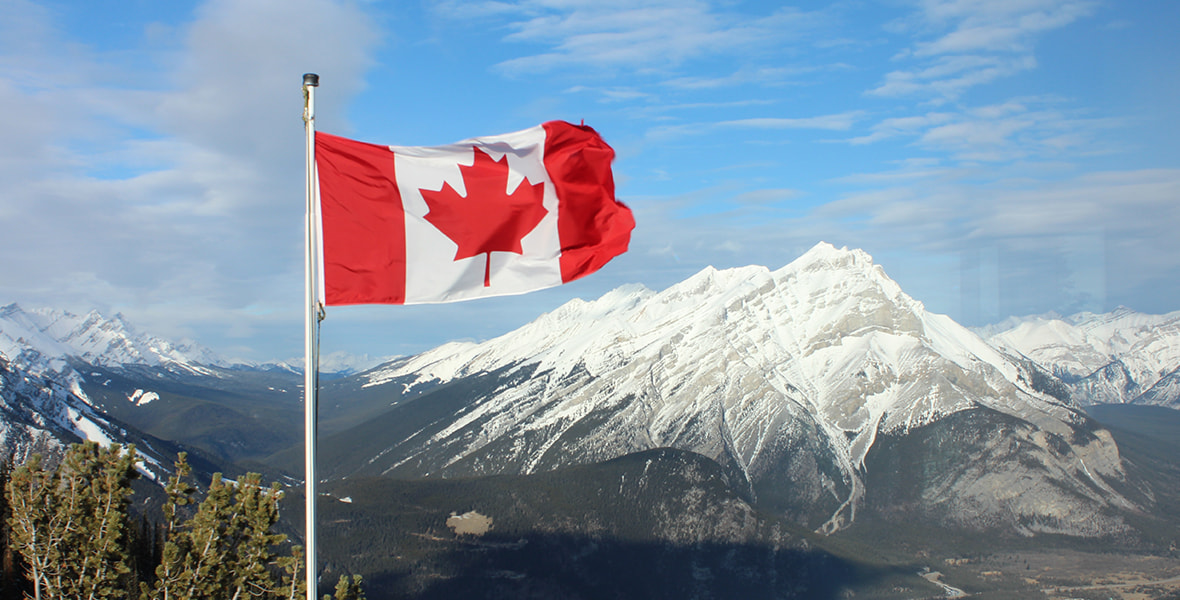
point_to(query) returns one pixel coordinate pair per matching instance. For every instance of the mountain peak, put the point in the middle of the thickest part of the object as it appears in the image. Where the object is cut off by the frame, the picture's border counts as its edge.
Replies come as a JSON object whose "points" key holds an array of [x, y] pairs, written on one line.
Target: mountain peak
{"points": [[824, 293], [826, 257], [753, 369], [826, 251]]}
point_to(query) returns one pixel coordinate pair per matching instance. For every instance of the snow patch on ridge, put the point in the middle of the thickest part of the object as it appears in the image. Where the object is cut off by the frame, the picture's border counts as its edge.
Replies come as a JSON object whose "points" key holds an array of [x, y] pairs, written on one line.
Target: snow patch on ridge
{"points": [[141, 398]]}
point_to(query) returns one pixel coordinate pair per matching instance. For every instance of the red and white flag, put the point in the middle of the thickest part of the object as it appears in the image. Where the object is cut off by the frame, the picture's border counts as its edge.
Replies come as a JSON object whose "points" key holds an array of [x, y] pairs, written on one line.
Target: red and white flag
{"points": [[489, 216]]}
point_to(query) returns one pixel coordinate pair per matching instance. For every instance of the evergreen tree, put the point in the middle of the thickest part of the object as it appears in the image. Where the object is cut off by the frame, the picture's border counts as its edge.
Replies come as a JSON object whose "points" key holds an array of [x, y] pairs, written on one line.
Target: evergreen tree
{"points": [[348, 589], [12, 581], [226, 549], [71, 527], [70, 524], [294, 586]]}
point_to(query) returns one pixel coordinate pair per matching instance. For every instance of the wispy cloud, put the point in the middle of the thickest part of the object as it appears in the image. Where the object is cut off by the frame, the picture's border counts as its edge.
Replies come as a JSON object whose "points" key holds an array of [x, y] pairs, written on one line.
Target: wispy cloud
{"points": [[762, 75], [931, 208], [634, 35], [835, 122], [1006, 26], [947, 77], [959, 44], [903, 126], [1012, 130], [614, 94]]}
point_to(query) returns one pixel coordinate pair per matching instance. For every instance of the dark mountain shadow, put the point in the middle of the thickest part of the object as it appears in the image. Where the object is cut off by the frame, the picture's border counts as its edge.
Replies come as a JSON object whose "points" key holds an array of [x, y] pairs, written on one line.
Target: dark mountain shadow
{"points": [[566, 566], [656, 524], [1149, 442]]}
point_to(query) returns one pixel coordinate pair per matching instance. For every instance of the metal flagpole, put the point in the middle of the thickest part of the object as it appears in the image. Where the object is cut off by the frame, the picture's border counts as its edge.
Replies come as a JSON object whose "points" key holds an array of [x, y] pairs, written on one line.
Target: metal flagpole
{"points": [[311, 359]]}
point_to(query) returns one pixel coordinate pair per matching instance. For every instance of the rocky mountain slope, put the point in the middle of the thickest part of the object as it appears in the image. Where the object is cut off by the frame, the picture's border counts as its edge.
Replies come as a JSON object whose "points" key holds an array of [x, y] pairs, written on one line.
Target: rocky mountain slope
{"points": [[803, 383], [40, 415]]}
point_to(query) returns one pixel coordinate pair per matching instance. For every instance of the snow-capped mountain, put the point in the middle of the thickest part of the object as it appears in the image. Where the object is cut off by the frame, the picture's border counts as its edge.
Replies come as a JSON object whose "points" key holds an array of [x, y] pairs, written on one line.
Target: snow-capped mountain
{"points": [[70, 378], [1114, 358], [793, 380], [42, 404], [42, 340]]}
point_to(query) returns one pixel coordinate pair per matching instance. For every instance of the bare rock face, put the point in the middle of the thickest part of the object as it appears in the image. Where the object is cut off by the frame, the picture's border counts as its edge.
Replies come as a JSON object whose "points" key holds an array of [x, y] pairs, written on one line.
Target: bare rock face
{"points": [[821, 389], [981, 469]]}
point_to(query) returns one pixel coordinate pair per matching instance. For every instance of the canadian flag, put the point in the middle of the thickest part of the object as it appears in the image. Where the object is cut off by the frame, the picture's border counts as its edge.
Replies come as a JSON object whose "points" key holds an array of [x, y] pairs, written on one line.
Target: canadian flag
{"points": [[489, 216]]}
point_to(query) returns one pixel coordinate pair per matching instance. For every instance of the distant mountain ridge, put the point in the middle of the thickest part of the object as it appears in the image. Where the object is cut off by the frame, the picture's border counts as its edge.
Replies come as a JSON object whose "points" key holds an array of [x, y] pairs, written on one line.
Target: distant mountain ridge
{"points": [[1119, 357], [43, 339], [806, 385], [793, 380], [69, 378], [43, 406]]}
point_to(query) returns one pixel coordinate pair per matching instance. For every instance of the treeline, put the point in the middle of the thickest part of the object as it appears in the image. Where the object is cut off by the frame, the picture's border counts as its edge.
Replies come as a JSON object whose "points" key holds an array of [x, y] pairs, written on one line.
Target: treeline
{"points": [[66, 533]]}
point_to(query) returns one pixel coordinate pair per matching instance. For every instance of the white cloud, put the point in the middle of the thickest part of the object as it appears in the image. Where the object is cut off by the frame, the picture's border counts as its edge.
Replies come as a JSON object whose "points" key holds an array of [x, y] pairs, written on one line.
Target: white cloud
{"points": [[761, 75], [997, 26], [949, 76], [935, 211], [834, 122], [903, 126], [174, 198]]}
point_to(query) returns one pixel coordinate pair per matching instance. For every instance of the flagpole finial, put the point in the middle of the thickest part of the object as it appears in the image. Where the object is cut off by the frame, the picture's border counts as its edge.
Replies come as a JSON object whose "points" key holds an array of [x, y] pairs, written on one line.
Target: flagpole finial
{"points": [[311, 79]]}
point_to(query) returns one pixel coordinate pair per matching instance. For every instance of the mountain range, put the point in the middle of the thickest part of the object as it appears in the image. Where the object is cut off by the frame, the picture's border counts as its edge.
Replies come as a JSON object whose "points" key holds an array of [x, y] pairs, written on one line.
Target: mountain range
{"points": [[798, 382], [818, 397], [44, 340], [70, 378], [1121, 357]]}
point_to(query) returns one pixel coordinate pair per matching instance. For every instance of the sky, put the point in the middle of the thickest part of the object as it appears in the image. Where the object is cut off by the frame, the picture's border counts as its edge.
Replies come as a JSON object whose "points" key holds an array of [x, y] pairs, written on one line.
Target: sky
{"points": [[997, 157]]}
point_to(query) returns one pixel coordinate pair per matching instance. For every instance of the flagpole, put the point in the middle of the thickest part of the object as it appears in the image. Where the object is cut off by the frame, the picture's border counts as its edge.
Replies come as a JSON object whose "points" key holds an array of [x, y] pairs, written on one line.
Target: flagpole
{"points": [[311, 362]]}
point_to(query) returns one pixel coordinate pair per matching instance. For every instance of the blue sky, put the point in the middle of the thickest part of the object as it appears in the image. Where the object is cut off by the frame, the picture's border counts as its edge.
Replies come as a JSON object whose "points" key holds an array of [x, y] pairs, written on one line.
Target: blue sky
{"points": [[997, 157]]}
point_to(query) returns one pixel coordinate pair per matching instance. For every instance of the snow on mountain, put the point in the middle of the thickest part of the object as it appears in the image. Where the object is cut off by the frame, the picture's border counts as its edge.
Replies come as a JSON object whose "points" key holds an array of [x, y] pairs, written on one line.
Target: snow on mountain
{"points": [[42, 340], [25, 428], [813, 325], [1165, 392], [1113, 358], [43, 407], [786, 377], [41, 415]]}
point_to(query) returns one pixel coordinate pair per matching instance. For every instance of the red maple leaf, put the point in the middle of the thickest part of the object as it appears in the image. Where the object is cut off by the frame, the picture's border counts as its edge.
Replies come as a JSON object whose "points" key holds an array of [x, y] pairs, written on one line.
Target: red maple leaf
{"points": [[488, 219]]}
